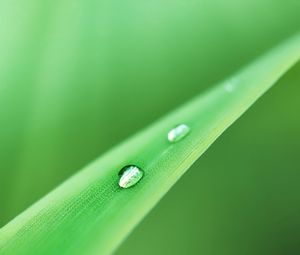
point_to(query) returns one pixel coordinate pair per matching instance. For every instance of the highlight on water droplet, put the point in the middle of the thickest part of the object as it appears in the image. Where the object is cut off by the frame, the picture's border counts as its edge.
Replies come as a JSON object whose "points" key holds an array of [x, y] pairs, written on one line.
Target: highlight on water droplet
{"points": [[129, 176], [178, 133]]}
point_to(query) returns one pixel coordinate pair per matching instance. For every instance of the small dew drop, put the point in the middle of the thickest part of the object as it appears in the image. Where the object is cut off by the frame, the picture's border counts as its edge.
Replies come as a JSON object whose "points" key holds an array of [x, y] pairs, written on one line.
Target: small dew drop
{"points": [[129, 176], [231, 85], [178, 133]]}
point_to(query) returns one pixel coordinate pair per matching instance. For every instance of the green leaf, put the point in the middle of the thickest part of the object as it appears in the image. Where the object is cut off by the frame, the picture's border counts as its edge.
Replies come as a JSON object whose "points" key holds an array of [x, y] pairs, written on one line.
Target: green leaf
{"points": [[91, 214]]}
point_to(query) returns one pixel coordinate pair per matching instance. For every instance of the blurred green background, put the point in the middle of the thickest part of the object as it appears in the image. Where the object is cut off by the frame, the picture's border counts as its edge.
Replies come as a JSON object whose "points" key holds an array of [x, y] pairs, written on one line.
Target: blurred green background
{"points": [[79, 76]]}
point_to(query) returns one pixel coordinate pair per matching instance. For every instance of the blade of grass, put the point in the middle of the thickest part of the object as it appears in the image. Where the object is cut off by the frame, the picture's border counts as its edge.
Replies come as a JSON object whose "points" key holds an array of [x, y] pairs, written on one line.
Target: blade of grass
{"points": [[91, 214]]}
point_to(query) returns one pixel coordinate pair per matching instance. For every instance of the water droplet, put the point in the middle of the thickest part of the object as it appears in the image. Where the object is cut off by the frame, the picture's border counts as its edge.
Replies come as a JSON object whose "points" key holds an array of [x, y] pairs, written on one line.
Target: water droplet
{"points": [[231, 85], [130, 175], [177, 133]]}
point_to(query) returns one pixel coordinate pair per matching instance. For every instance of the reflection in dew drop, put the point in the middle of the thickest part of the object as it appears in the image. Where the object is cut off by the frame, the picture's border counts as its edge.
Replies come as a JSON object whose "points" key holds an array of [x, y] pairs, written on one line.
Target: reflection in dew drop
{"points": [[130, 175], [177, 133]]}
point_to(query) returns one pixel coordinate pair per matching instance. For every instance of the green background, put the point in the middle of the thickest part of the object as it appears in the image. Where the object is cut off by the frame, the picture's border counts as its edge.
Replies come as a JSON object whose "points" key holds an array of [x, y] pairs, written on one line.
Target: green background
{"points": [[77, 77]]}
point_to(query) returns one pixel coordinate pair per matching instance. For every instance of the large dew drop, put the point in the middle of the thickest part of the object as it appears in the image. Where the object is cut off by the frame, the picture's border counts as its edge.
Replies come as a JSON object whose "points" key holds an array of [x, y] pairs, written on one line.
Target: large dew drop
{"points": [[178, 133], [129, 176]]}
